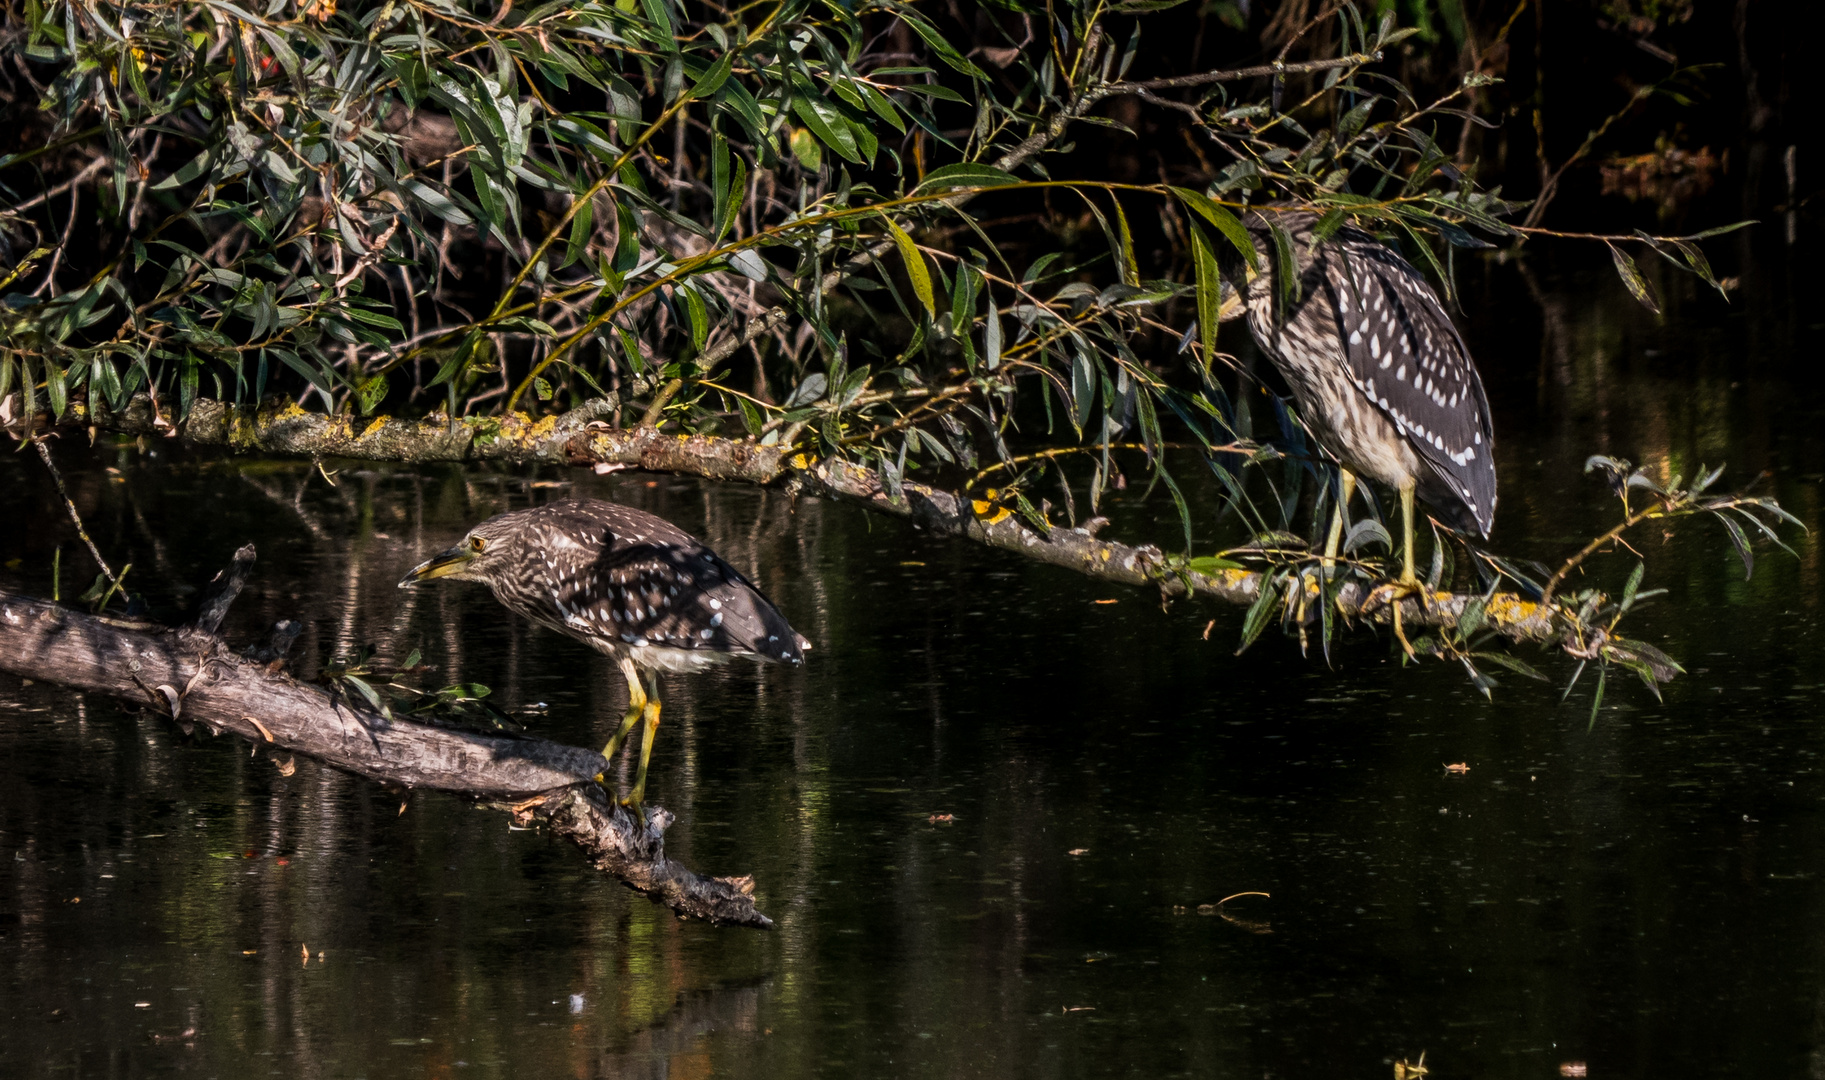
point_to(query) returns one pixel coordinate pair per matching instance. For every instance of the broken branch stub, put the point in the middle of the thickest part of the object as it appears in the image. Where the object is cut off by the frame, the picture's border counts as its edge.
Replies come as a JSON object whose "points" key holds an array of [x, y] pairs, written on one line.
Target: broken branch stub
{"points": [[219, 595]]}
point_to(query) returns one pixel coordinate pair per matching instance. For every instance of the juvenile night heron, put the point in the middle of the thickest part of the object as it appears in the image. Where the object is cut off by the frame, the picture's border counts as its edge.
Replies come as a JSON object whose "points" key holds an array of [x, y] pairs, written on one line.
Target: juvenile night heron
{"points": [[627, 584], [1382, 379]]}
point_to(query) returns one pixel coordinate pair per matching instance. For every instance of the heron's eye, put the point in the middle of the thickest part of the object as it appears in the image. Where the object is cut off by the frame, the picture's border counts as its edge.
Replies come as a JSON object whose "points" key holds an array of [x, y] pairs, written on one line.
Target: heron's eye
{"points": [[478, 543]]}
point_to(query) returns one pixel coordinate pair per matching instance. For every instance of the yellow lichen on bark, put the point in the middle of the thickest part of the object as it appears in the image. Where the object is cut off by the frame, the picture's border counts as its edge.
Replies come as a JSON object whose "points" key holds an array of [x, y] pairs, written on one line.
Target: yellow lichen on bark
{"points": [[1509, 608]]}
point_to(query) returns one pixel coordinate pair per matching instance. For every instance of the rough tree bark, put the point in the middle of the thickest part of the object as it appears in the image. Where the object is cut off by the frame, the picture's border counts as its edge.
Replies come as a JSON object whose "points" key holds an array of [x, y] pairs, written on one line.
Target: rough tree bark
{"points": [[193, 676], [283, 429]]}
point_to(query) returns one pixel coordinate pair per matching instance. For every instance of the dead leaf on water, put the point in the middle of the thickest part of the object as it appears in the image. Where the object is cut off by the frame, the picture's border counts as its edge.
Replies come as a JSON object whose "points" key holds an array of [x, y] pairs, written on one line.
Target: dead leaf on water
{"points": [[1253, 926]]}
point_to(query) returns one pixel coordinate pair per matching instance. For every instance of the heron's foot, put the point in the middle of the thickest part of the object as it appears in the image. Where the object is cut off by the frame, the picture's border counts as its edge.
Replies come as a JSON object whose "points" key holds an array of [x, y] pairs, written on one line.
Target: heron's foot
{"points": [[630, 801], [1399, 589], [608, 786], [1392, 593]]}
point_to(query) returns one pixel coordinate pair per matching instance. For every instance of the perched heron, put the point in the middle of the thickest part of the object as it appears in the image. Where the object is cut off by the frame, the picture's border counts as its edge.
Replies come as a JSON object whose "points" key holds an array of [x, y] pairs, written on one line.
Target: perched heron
{"points": [[627, 584], [1382, 379]]}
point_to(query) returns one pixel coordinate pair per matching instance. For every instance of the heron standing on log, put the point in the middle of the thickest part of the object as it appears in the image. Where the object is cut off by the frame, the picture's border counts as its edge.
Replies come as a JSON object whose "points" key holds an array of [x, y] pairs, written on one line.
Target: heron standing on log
{"points": [[1380, 375], [627, 584]]}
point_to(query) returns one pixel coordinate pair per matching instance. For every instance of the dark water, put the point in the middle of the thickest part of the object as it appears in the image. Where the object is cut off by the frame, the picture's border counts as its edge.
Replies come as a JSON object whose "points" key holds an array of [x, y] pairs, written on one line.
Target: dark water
{"points": [[1645, 896]]}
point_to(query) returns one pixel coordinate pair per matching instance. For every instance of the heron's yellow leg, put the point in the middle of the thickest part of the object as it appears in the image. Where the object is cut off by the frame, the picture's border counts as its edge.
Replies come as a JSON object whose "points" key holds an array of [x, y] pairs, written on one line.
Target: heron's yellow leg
{"points": [[1346, 486], [646, 747], [1407, 577], [636, 705], [1409, 582]]}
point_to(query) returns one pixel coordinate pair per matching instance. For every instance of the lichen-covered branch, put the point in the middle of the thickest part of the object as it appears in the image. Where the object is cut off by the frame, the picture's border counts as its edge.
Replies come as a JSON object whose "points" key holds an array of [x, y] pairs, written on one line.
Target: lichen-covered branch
{"points": [[286, 430]]}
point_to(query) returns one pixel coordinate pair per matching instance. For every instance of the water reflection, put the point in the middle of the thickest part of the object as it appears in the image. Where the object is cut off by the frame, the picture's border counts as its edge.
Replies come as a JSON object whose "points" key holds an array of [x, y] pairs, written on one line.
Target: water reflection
{"points": [[1643, 896]]}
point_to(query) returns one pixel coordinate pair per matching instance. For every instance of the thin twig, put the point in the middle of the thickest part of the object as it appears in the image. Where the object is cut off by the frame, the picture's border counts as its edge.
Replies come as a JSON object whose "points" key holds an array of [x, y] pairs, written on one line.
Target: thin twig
{"points": [[44, 452], [1066, 451], [78, 180], [1237, 74]]}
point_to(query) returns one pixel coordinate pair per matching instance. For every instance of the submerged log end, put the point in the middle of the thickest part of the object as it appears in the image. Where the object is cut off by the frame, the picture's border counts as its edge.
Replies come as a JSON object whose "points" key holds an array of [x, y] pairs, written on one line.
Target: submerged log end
{"points": [[634, 851]]}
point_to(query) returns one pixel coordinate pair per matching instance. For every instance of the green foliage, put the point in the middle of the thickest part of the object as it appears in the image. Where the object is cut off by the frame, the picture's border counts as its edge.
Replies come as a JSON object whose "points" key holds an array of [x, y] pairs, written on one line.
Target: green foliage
{"points": [[280, 192], [360, 678], [422, 205]]}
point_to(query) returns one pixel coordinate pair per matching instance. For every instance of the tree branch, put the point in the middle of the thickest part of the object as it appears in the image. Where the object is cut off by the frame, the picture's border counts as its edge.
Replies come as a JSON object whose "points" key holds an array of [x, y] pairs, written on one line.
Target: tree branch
{"points": [[1007, 162], [1259, 71], [287, 430], [191, 675]]}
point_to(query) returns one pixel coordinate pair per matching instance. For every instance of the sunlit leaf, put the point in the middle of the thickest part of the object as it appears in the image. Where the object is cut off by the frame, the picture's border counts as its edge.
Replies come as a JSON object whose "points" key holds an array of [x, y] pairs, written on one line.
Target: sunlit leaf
{"points": [[1631, 277], [1260, 613], [915, 267], [1225, 222], [965, 175], [1511, 663], [806, 149], [1740, 541]]}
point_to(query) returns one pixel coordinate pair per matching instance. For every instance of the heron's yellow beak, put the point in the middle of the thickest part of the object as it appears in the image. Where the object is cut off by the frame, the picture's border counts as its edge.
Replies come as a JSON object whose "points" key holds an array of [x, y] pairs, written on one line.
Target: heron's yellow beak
{"points": [[443, 564], [1231, 307]]}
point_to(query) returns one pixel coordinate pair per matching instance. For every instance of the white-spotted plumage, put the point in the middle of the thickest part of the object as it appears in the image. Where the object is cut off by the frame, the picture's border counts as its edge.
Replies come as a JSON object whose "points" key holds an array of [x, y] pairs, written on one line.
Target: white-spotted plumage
{"points": [[1359, 302], [628, 583]]}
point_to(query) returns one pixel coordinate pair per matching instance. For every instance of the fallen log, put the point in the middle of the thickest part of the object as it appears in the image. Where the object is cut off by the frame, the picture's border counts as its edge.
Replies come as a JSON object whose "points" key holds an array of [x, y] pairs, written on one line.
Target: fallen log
{"points": [[191, 675]]}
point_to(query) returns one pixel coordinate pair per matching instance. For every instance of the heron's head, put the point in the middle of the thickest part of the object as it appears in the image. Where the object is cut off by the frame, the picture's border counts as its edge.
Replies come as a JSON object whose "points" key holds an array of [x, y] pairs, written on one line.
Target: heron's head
{"points": [[481, 555], [1239, 274]]}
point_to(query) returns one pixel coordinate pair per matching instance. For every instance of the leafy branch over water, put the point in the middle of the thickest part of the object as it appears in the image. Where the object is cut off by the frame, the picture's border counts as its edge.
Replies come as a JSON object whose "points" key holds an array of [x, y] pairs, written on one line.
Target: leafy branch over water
{"points": [[1277, 576], [836, 240]]}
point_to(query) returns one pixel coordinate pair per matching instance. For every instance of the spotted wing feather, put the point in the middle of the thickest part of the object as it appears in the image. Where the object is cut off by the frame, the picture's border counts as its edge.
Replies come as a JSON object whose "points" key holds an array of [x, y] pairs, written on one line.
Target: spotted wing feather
{"points": [[1406, 355], [606, 573]]}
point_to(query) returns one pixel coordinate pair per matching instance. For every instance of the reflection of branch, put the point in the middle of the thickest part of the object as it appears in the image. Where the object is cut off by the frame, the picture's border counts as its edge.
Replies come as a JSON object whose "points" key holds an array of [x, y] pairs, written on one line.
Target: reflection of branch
{"points": [[95, 552], [306, 517]]}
